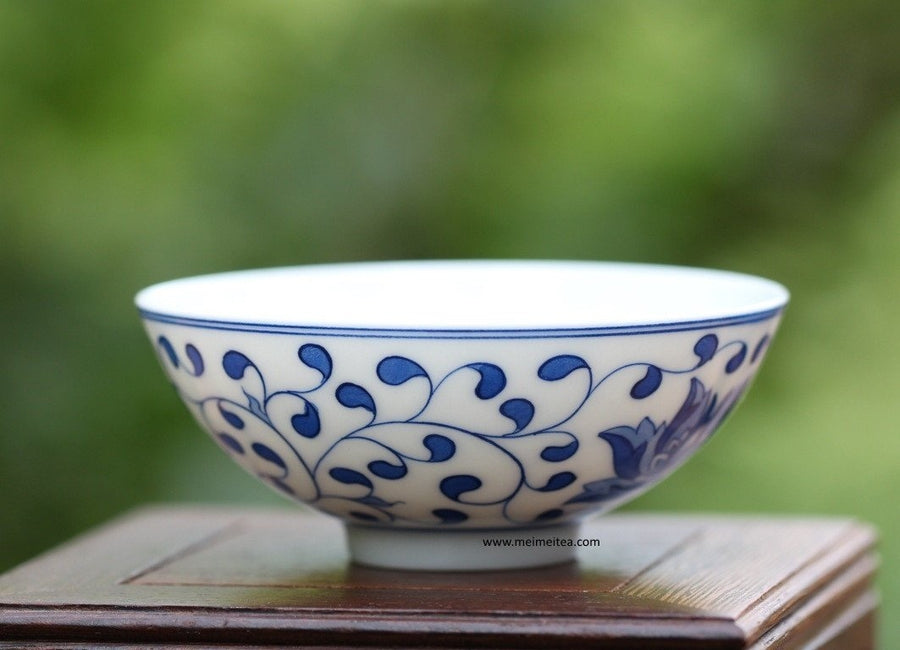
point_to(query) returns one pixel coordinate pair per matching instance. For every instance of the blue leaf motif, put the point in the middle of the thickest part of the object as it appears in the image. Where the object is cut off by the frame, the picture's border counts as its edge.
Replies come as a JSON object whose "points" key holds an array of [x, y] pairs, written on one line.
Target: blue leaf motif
{"points": [[235, 363], [384, 469], [556, 454], [398, 370], [317, 358], [256, 407], [231, 418], [710, 412], [231, 443], [559, 367], [449, 515], [520, 411], [603, 490], [681, 422], [349, 477], [372, 500], [492, 381], [453, 486], [307, 424], [266, 453], [353, 396], [558, 482], [706, 347], [648, 385], [196, 360], [281, 485], [735, 362], [363, 516], [441, 447], [628, 447], [166, 345], [758, 350]]}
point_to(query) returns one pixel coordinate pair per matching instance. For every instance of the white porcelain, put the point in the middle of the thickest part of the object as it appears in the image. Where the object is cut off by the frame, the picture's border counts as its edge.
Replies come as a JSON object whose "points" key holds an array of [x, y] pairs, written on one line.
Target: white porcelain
{"points": [[435, 405]]}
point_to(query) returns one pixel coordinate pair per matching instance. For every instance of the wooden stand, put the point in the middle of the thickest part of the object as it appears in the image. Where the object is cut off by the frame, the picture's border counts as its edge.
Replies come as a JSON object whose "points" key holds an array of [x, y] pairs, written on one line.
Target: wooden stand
{"points": [[280, 578]]}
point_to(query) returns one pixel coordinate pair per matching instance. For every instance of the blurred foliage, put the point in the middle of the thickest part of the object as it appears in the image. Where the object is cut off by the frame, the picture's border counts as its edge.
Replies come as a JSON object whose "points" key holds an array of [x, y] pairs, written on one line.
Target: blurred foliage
{"points": [[148, 140]]}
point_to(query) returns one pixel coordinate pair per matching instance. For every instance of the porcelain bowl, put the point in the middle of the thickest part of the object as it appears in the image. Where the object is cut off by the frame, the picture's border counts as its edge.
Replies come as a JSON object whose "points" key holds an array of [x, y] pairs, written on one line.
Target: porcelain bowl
{"points": [[462, 414]]}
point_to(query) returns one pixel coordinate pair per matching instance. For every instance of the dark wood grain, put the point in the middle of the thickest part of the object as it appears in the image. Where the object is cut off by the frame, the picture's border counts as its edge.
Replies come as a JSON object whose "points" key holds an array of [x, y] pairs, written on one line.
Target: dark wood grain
{"points": [[282, 578]]}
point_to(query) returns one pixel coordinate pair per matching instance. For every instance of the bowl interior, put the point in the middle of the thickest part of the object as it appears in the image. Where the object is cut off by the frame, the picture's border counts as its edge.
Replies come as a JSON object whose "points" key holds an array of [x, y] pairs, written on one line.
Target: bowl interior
{"points": [[466, 295]]}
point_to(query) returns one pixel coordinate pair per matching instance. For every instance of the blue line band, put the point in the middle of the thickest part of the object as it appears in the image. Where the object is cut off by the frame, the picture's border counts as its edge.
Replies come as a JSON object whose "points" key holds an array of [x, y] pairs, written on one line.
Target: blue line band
{"points": [[460, 333]]}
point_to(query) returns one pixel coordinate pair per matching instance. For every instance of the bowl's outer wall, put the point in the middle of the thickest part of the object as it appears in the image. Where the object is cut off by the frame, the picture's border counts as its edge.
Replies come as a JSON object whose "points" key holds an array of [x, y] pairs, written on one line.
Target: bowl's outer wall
{"points": [[484, 431]]}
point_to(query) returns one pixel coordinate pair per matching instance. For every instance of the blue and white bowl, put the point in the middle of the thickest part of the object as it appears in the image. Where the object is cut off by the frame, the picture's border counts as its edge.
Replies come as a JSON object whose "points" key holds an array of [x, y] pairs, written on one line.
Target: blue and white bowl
{"points": [[435, 405]]}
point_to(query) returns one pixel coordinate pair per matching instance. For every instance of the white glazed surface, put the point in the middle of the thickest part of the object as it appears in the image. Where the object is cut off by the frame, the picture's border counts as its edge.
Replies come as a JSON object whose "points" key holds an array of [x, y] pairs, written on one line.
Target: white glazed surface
{"points": [[394, 419], [466, 294]]}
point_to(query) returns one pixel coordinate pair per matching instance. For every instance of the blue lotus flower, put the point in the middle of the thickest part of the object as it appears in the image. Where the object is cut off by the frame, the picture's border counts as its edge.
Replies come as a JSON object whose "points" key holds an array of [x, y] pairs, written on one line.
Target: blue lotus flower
{"points": [[643, 452]]}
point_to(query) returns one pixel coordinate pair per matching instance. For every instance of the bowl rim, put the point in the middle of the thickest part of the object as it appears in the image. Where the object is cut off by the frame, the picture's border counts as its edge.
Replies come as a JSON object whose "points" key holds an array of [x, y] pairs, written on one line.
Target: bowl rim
{"points": [[181, 301]]}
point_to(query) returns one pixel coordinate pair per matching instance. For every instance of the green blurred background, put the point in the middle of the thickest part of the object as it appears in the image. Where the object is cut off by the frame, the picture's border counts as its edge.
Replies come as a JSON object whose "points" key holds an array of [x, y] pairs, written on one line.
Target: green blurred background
{"points": [[141, 141]]}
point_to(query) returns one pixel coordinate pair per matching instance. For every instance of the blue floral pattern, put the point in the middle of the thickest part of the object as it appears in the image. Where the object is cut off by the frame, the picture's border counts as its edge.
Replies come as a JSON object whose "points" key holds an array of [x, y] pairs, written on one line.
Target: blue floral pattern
{"points": [[647, 450], [341, 443]]}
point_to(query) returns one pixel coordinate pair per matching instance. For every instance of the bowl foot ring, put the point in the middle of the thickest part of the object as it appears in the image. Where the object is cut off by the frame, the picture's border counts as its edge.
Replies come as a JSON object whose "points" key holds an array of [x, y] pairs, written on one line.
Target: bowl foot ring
{"points": [[462, 550]]}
